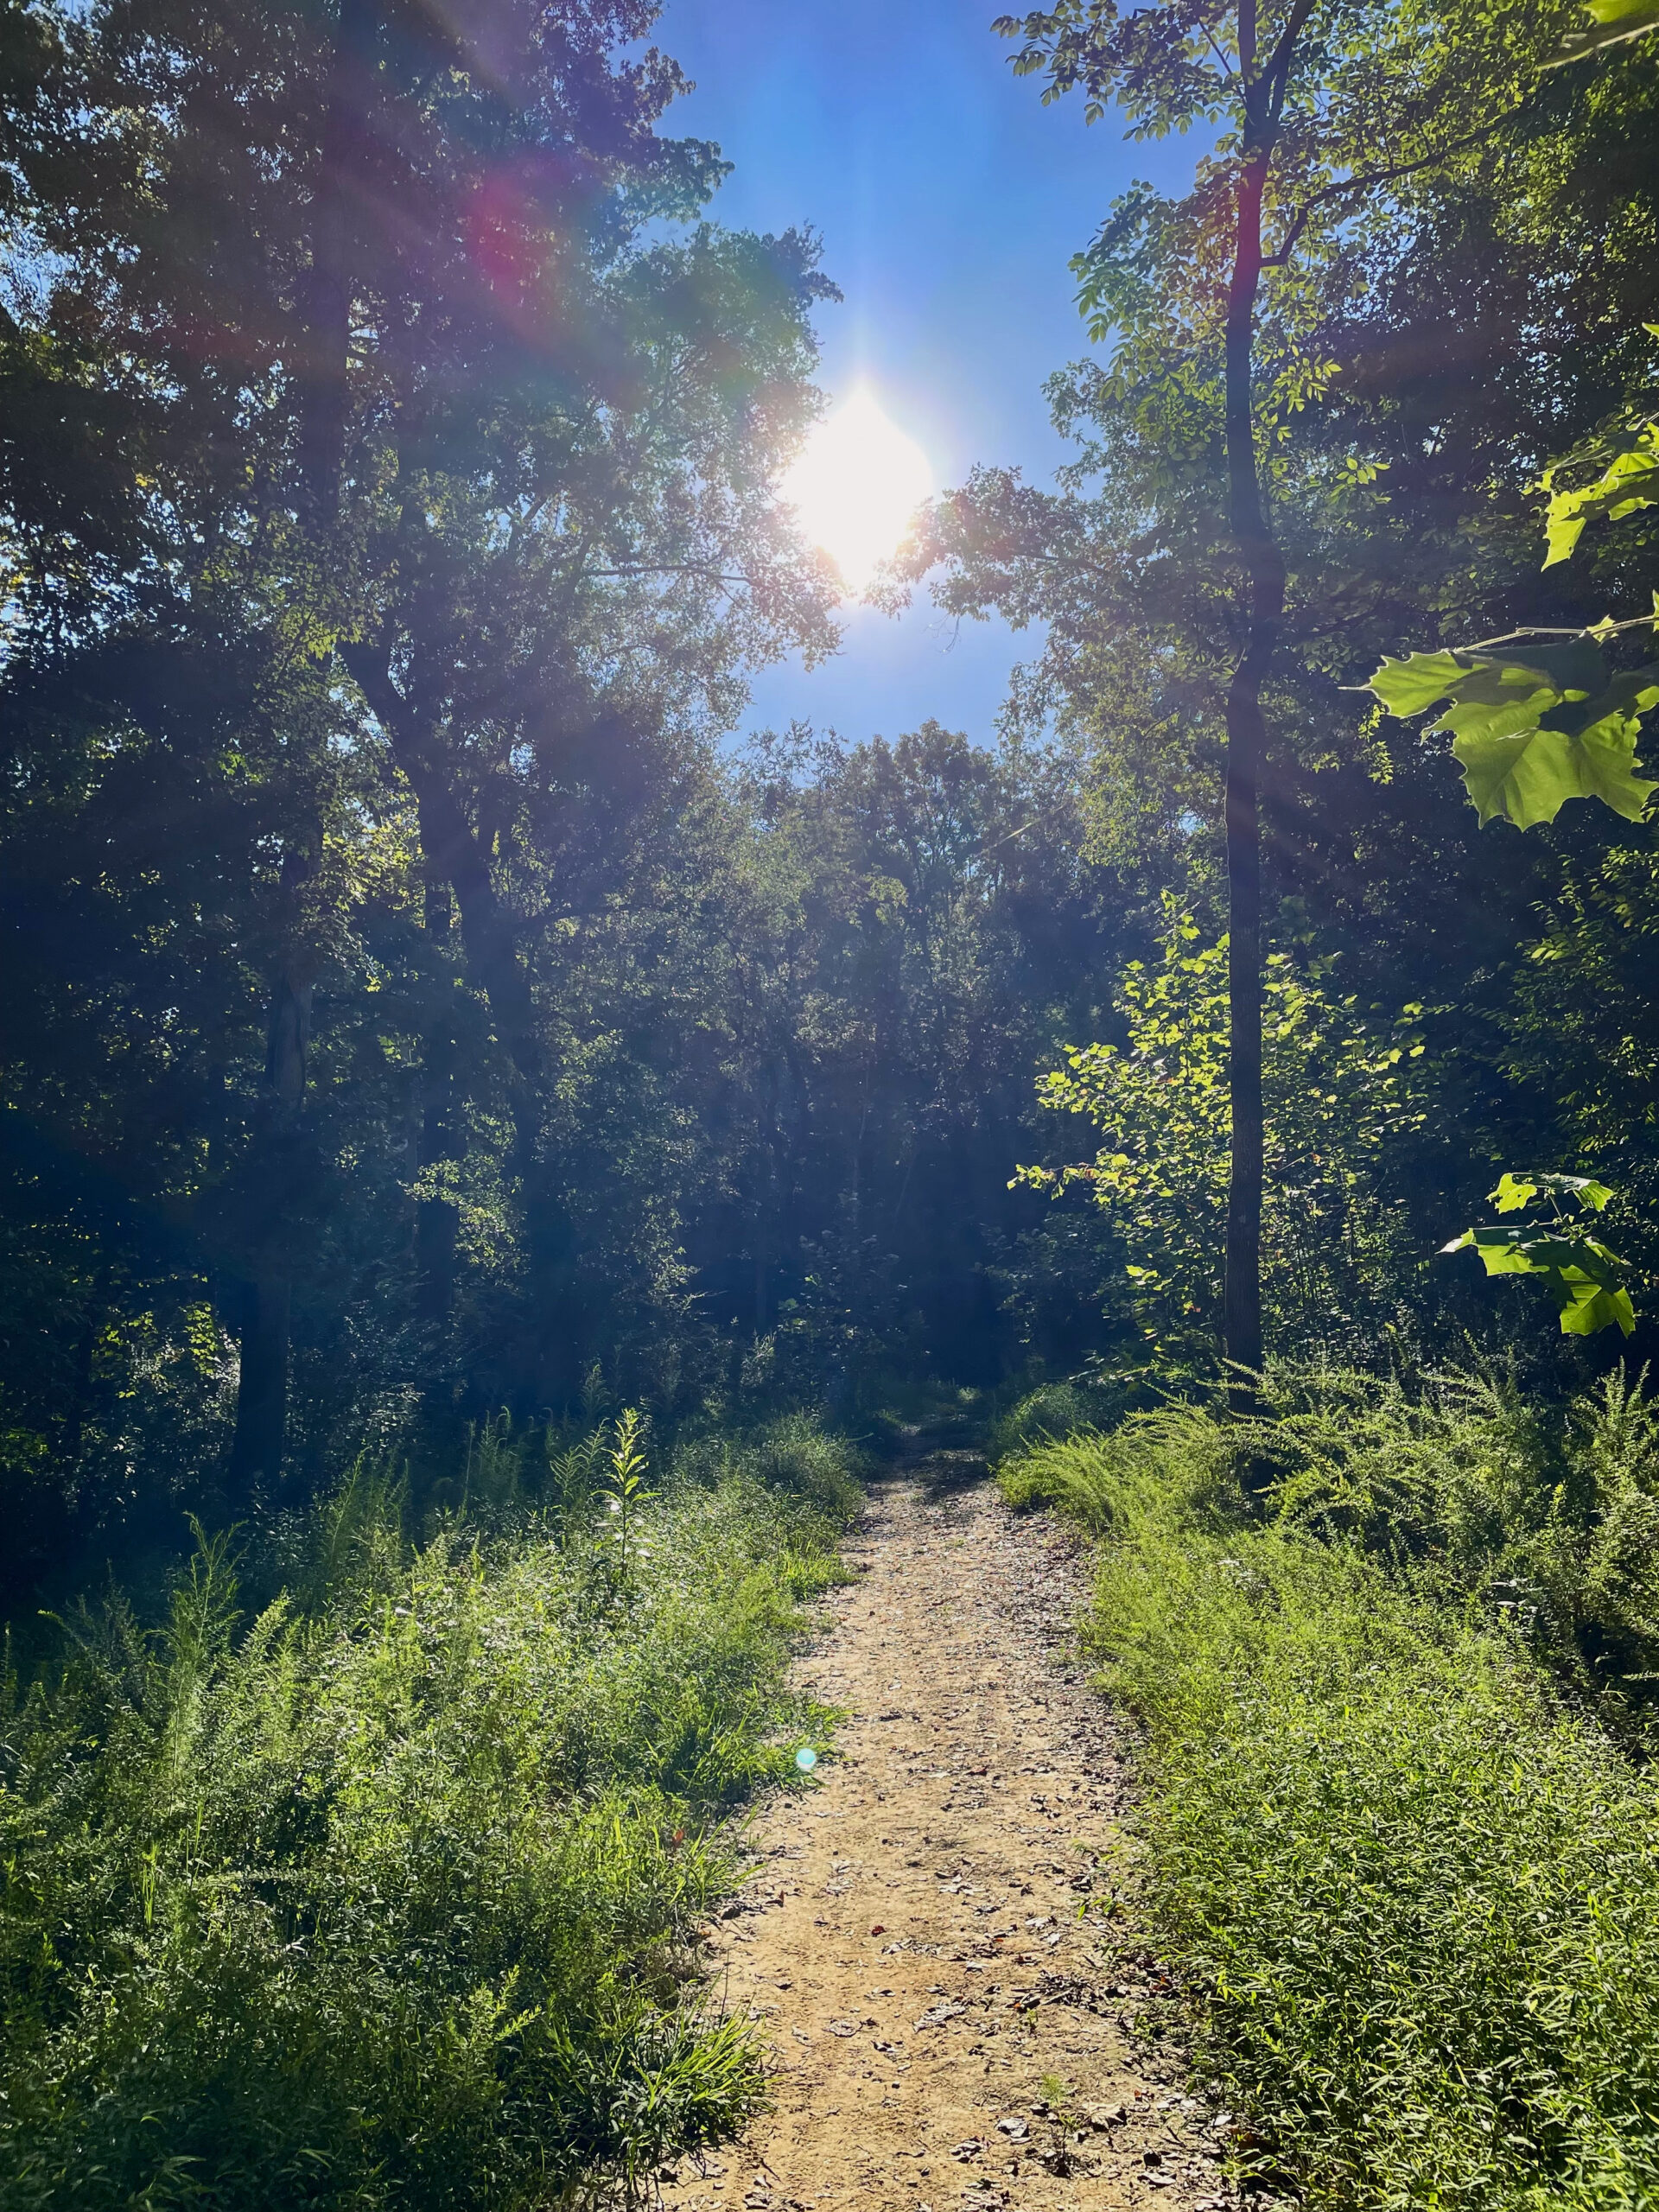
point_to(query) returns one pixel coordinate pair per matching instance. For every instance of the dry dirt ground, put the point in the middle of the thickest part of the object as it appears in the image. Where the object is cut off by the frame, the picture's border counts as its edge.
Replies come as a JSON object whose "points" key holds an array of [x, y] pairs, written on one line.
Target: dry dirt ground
{"points": [[946, 2029]]}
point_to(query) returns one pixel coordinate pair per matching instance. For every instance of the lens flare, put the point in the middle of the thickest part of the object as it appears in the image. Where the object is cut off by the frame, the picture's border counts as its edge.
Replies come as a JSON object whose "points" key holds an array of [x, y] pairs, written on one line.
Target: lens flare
{"points": [[856, 487], [806, 1760]]}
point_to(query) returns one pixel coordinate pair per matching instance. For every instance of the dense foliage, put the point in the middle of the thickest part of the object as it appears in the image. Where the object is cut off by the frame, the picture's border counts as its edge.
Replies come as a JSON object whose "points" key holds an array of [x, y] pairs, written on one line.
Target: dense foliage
{"points": [[1408, 1879], [421, 1031], [406, 1004], [385, 1889]]}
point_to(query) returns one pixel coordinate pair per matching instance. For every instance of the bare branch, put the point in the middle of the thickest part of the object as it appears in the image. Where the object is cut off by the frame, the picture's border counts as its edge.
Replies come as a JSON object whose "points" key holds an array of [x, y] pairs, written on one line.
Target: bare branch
{"points": [[1227, 69]]}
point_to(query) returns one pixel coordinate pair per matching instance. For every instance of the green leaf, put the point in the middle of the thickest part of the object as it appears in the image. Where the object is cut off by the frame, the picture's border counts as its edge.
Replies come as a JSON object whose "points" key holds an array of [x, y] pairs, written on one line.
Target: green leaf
{"points": [[1531, 730], [1512, 1192], [1503, 1251], [1405, 687], [1581, 1272], [1526, 779], [1630, 480], [1611, 22], [1594, 1307]]}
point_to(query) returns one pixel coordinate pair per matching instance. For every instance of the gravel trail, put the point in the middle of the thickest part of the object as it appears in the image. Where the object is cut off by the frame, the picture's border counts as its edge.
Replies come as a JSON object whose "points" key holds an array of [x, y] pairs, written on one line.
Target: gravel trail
{"points": [[912, 1938]]}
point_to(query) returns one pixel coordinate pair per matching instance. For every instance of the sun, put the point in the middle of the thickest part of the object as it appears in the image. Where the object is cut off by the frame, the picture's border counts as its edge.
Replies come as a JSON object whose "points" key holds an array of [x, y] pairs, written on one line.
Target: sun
{"points": [[856, 487]]}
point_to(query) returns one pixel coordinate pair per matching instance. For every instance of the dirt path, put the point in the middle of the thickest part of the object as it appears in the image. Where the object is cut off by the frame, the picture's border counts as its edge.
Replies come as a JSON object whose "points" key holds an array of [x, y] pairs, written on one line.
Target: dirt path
{"points": [[912, 1937]]}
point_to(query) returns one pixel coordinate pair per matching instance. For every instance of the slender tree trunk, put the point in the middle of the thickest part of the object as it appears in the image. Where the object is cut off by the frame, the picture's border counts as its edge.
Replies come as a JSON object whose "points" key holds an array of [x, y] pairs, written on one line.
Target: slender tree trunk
{"points": [[437, 1221], [262, 1389], [454, 854], [267, 1297], [765, 1176], [1246, 752], [323, 356], [326, 344]]}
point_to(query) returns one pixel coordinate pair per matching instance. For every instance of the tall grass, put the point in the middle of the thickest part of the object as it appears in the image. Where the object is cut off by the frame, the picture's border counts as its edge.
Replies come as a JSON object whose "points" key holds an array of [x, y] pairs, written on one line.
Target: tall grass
{"points": [[389, 1893], [1411, 1879]]}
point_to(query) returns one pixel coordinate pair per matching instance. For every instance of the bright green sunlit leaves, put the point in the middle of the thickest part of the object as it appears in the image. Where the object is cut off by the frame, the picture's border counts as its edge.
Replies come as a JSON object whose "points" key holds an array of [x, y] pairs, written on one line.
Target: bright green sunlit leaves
{"points": [[1611, 22], [1630, 480], [1534, 727], [1580, 1272], [1516, 1192]]}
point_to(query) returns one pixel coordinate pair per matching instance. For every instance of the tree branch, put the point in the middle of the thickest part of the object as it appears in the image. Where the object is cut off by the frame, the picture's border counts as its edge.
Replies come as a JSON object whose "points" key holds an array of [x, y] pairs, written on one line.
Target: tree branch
{"points": [[1595, 630], [1277, 72], [1371, 178]]}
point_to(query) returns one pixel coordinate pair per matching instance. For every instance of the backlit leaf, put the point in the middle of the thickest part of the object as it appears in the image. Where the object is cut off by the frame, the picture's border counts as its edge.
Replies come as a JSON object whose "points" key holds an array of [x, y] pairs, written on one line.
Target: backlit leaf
{"points": [[1630, 480], [1611, 22], [1513, 1193], [1405, 687], [1532, 729], [1594, 1307]]}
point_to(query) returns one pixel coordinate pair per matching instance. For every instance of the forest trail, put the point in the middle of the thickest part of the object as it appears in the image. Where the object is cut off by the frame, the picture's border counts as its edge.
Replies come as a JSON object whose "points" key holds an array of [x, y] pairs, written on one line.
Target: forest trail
{"points": [[911, 1938]]}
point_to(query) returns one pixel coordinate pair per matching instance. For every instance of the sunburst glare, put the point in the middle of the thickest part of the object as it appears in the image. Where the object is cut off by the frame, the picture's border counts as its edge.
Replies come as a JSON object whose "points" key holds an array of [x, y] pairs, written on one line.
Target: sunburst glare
{"points": [[856, 487]]}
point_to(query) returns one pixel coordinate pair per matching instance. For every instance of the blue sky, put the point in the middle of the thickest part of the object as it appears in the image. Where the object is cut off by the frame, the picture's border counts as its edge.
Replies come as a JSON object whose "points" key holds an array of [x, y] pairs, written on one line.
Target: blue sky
{"points": [[949, 200]]}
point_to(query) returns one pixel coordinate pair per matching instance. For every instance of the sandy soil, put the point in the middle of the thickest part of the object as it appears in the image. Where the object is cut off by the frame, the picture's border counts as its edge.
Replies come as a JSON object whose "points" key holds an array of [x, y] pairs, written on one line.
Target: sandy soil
{"points": [[912, 1938]]}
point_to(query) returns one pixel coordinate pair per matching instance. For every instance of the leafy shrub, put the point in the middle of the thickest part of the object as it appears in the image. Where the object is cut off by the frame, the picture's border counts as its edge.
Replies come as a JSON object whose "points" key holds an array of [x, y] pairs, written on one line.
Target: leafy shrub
{"points": [[1413, 1892], [792, 1454], [1554, 1521], [1345, 1087], [1053, 1409], [388, 1896]]}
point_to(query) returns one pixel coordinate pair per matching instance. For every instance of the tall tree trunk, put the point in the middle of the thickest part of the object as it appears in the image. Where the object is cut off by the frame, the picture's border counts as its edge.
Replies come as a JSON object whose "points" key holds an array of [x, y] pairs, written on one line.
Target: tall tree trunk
{"points": [[267, 1297], [327, 343], [1247, 740], [437, 1220], [454, 854], [323, 355], [765, 1176]]}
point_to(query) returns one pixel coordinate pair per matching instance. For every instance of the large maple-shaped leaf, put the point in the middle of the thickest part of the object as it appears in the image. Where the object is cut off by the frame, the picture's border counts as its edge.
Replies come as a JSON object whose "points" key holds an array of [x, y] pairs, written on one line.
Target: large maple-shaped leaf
{"points": [[1579, 1273], [1630, 480], [1534, 727], [1611, 22]]}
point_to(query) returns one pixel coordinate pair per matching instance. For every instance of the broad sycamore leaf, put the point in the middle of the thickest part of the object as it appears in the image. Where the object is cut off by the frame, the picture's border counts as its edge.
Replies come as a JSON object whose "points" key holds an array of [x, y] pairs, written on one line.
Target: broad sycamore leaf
{"points": [[1503, 1251], [1630, 480], [1531, 732], [1529, 778], [1405, 687], [1581, 1272], [1513, 1193], [1611, 22], [1593, 1306]]}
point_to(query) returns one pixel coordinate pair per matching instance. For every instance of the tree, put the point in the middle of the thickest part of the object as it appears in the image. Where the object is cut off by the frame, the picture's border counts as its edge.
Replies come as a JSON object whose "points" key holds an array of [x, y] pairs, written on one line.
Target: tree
{"points": [[392, 386], [1319, 103]]}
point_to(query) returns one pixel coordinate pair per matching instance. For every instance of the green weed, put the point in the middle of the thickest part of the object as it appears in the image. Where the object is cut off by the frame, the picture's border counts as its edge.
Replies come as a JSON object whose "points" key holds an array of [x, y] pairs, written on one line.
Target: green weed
{"points": [[389, 1895], [1411, 1884]]}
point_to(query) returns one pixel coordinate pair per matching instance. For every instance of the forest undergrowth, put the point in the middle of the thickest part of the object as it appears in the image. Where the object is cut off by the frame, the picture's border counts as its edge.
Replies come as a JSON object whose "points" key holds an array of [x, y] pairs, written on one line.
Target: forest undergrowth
{"points": [[371, 1872], [1400, 1831]]}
